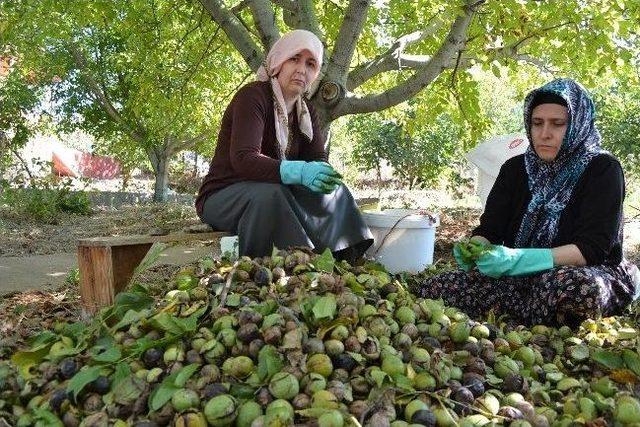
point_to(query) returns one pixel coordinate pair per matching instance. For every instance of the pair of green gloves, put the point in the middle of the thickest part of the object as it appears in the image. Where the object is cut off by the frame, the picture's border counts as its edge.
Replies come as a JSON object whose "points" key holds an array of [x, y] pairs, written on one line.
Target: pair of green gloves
{"points": [[319, 177], [497, 260]]}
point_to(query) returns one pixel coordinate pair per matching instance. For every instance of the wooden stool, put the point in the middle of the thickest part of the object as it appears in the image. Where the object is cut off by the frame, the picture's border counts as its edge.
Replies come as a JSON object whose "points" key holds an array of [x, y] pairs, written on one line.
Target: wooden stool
{"points": [[106, 264]]}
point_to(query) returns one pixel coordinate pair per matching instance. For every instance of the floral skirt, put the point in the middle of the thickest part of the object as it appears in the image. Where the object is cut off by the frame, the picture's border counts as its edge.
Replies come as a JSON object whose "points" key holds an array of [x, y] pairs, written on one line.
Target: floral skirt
{"points": [[562, 296]]}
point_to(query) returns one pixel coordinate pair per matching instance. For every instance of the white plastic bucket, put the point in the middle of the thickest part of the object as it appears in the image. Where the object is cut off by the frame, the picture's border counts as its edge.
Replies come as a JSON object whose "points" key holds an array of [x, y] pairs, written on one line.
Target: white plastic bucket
{"points": [[403, 238]]}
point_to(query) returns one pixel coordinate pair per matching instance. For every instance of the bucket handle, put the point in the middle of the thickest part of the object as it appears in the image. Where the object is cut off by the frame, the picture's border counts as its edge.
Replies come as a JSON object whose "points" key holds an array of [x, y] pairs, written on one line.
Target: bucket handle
{"points": [[419, 212]]}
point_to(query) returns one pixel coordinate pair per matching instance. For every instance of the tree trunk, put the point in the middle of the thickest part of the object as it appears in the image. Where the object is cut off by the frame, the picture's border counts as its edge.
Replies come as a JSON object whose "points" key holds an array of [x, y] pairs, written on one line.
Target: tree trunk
{"points": [[379, 179], [160, 157], [161, 186]]}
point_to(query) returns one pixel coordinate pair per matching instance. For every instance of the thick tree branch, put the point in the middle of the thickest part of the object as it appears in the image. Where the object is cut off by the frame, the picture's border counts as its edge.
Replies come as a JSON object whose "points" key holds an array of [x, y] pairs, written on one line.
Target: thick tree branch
{"points": [[240, 6], [265, 20], [136, 133], [237, 33], [444, 58], [354, 19], [185, 143], [394, 58], [308, 17], [289, 5]]}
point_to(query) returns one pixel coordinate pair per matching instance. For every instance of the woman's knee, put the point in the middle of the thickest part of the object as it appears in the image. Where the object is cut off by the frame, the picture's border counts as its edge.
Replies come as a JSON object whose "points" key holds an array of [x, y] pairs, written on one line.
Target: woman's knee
{"points": [[267, 193], [574, 294]]}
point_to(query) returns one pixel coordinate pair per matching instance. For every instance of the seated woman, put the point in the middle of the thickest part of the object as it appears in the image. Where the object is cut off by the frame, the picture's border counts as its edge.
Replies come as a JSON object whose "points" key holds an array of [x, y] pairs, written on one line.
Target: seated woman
{"points": [[269, 180], [554, 218]]}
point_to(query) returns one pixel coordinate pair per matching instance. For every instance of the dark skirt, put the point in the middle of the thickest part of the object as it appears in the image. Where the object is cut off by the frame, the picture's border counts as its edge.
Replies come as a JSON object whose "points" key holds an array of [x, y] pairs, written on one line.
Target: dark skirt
{"points": [[561, 296], [264, 215]]}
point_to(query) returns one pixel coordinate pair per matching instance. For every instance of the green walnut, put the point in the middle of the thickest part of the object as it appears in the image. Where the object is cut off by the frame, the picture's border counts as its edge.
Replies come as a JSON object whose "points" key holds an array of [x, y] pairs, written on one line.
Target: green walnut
{"points": [[281, 409], [190, 419], [459, 332], [331, 419], [526, 355], [412, 407], [284, 385], [392, 365], [505, 366], [627, 410], [238, 367], [324, 399], [313, 382], [320, 364], [221, 411], [405, 315], [184, 399], [248, 412]]}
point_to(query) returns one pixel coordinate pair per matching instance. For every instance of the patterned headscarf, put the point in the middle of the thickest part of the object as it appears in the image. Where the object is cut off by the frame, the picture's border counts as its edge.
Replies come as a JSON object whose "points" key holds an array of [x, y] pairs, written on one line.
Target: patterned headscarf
{"points": [[287, 46], [551, 183]]}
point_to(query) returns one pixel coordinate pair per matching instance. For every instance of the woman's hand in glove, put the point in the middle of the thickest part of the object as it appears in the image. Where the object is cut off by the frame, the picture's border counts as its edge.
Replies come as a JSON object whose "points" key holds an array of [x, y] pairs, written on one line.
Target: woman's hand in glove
{"points": [[319, 177], [503, 261]]}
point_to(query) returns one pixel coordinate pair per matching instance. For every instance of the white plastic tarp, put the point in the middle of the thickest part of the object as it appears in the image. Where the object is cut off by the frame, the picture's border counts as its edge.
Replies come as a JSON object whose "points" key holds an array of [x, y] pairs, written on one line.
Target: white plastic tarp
{"points": [[490, 155]]}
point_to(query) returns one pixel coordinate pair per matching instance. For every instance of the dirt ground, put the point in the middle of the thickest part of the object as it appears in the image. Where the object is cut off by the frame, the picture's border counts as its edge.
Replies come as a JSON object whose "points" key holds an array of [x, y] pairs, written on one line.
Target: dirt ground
{"points": [[21, 238]]}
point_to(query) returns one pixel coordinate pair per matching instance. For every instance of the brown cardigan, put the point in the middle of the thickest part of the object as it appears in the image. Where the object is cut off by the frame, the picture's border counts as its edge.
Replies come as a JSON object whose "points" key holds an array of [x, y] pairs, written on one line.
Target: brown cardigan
{"points": [[247, 148]]}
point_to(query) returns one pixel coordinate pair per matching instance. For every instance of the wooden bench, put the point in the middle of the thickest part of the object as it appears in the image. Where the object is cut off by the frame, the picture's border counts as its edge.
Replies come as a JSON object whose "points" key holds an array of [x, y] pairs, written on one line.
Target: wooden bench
{"points": [[106, 264]]}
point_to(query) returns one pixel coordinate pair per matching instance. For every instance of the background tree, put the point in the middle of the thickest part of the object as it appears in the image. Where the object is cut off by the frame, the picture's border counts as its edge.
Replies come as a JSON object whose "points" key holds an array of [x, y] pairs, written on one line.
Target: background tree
{"points": [[151, 74], [619, 123], [18, 101]]}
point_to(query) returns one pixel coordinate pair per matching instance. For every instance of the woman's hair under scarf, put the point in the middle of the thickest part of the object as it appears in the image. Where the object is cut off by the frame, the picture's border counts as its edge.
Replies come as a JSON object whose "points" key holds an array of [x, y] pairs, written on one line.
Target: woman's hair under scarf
{"points": [[287, 46], [551, 183]]}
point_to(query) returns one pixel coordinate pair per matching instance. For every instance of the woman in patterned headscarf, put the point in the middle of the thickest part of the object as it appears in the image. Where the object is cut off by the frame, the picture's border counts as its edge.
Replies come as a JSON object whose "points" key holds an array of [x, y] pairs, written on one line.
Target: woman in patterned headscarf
{"points": [[552, 226], [269, 181]]}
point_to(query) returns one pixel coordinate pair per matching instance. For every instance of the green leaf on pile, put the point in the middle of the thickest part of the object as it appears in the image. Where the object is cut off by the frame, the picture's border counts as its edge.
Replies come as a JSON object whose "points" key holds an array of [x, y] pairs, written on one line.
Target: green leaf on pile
{"points": [[150, 258], [131, 316], [128, 390], [25, 360], [126, 301], [353, 284], [608, 359], [105, 351], [176, 325], [325, 307], [44, 337], [49, 418], [170, 385], [123, 370], [269, 363], [82, 378], [185, 373], [325, 262]]}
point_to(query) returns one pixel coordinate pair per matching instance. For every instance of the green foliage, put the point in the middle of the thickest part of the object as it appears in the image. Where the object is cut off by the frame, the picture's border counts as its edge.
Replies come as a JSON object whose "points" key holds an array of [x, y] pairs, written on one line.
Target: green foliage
{"points": [[73, 277], [418, 159], [618, 121], [18, 98], [44, 200], [146, 79]]}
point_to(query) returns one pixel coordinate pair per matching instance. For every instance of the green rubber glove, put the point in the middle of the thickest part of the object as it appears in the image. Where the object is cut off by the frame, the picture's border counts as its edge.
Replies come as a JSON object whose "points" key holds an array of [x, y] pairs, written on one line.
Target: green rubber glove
{"points": [[319, 177], [502, 261]]}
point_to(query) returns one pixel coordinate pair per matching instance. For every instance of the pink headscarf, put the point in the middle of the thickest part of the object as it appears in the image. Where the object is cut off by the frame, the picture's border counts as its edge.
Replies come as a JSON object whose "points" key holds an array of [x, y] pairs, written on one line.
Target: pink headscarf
{"points": [[287, 46]]}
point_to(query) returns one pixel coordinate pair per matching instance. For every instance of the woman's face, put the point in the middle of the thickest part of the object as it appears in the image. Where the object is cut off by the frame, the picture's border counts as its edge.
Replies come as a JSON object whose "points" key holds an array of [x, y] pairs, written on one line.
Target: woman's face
{"points": [[548, 126], [297, 73]]}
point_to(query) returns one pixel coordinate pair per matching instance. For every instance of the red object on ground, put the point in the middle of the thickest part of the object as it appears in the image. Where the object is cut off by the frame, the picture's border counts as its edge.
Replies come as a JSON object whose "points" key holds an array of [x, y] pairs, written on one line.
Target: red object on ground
{"points": [[81, 164]]}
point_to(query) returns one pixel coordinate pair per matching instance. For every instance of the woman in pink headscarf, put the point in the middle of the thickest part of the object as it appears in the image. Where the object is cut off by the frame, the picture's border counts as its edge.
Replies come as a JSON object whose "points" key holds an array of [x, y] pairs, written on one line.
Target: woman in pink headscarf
{"points": [[269, 180]]}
